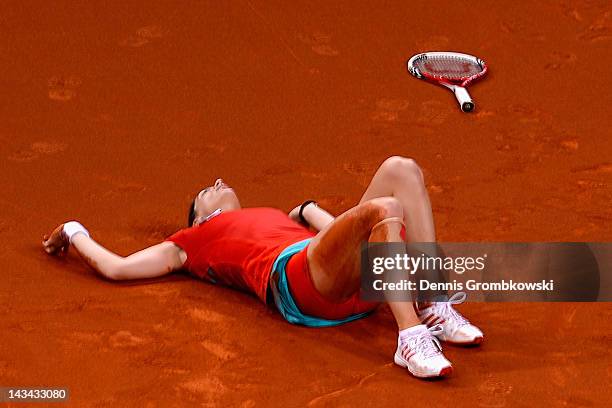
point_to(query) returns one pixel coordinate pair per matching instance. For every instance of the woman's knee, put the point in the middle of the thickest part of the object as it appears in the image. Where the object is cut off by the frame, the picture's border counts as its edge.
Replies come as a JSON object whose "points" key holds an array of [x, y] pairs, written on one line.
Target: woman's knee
{"points": [[386, 207], [398, 168]]}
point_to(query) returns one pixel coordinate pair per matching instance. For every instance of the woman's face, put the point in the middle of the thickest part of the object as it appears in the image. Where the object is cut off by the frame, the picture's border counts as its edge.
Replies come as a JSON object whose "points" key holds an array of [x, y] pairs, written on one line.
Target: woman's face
{"points": [[220, 195]]}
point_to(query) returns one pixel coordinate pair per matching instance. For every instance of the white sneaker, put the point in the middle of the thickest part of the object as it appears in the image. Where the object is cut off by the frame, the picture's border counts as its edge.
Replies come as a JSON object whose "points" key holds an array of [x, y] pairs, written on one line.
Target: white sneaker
{"points": [[422, 355], [456, 329]]}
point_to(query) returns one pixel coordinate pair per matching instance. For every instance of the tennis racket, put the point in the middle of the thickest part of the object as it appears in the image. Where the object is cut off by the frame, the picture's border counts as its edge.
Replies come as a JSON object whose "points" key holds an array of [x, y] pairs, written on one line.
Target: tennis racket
{"points": [[450, 69]]}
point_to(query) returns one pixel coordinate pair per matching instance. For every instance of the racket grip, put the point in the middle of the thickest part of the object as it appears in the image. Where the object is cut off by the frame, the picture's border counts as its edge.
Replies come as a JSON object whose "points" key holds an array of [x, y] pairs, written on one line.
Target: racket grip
{"points": [[463, 97]]}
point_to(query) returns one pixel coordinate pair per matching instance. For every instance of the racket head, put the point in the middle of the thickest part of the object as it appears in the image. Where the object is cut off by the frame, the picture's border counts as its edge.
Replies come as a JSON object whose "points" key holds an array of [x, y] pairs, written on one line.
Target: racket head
{"points": [[447, 67]]}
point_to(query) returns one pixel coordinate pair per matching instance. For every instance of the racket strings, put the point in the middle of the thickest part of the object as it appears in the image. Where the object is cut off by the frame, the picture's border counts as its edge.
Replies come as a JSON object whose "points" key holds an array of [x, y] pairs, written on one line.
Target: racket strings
{"points": [[450, 67]]}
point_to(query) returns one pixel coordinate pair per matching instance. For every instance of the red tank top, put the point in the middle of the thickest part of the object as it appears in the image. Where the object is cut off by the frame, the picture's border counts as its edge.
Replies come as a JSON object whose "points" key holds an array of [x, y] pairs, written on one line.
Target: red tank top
{"points": [[237, 248]]}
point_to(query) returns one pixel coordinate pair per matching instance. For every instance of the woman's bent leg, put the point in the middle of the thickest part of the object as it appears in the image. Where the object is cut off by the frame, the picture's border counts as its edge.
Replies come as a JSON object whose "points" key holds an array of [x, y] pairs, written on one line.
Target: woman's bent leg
{"points": [[334, 262], [334, 254]]}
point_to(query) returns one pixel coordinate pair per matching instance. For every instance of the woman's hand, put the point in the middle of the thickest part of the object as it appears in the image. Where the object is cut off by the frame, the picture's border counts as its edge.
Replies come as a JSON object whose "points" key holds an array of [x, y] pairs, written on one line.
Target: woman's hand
{"points": [[57, 241]]}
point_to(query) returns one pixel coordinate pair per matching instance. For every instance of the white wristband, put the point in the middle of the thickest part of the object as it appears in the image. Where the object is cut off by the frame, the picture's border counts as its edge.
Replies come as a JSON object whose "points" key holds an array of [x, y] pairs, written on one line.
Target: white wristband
{"points": [[72, 228]]}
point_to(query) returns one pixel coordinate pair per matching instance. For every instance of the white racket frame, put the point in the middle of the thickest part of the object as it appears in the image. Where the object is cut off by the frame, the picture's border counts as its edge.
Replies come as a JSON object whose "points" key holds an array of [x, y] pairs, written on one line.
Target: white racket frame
{"points": [[463, 97]]}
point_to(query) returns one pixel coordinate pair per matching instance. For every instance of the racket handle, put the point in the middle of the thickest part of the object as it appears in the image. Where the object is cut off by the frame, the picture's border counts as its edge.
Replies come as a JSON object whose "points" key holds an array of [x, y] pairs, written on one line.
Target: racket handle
{"points": [[463, 97]]}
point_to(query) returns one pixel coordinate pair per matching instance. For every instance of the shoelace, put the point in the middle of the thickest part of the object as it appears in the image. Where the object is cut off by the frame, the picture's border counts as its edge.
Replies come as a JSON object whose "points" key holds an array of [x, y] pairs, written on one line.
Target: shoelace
{"points": [[426, 343], [446, 311]]}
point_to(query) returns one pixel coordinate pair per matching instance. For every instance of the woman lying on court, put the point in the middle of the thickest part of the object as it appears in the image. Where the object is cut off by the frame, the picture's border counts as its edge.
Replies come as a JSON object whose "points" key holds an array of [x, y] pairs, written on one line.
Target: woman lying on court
{"points": [[314, 279]]}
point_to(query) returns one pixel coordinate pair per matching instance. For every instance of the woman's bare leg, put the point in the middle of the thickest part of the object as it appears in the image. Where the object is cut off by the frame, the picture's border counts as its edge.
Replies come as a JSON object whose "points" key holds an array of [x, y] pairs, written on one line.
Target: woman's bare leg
{"points": [[403, 312], [401, 178], [334, 258], [334, 255]]}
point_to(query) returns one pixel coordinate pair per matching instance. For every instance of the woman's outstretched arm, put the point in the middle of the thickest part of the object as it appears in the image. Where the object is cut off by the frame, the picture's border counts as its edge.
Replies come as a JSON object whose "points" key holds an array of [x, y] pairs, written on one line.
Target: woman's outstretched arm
{"points": [[151, 262]]}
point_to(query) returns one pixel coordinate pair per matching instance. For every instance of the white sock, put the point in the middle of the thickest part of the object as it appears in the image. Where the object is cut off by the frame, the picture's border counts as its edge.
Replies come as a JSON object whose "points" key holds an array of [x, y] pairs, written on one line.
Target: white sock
{"points": [[411, 331]]}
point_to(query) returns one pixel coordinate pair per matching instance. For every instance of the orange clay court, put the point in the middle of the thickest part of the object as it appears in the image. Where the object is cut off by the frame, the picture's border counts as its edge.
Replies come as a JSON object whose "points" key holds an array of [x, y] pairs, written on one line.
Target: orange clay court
{"points": [[116, 114]]}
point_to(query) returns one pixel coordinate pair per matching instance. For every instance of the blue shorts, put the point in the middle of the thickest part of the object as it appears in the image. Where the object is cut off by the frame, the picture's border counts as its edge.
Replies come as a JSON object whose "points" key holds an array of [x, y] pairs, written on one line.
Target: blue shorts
{"points": [[284, 300]]}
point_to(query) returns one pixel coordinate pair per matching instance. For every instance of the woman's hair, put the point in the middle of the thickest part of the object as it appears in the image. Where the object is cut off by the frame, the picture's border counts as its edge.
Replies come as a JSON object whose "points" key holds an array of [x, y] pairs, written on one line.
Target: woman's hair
{"points": [[192, 214]]}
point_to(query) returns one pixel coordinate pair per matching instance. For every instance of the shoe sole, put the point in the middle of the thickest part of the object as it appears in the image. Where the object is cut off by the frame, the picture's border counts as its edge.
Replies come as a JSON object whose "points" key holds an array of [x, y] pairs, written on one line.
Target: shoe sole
{"points": [[446, 371], [475, 342]]}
